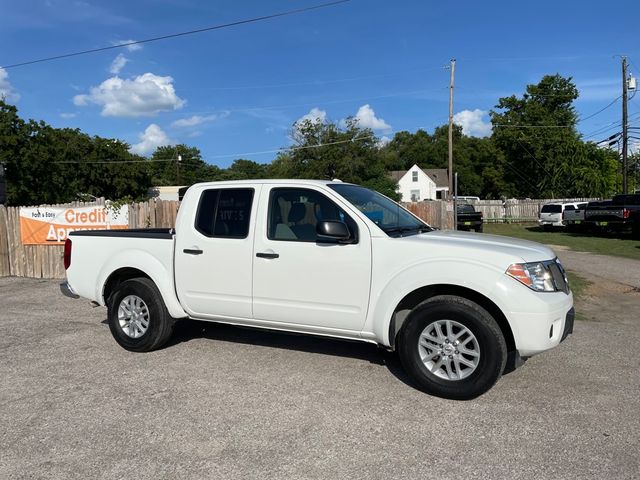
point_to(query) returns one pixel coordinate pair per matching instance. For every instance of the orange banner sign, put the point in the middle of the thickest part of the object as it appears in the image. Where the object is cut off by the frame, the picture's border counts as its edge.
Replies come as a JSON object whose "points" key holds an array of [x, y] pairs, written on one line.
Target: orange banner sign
{"points": [[51, 225]]}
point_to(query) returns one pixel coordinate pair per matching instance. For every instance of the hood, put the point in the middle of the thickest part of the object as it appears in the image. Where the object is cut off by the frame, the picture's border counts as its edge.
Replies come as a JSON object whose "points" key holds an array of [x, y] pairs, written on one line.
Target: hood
{"points": [[480, 245]]}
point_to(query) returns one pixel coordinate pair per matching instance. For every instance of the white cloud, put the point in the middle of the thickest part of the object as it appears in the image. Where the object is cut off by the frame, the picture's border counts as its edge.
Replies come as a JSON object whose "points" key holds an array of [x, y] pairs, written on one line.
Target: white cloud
{"points": [[366, 118], [472, 122], [315, 115], [142, 96], [68, 115], [118, 64], [152, 138], [199, 120], [131, 48], [384, 140], [7, 92]]}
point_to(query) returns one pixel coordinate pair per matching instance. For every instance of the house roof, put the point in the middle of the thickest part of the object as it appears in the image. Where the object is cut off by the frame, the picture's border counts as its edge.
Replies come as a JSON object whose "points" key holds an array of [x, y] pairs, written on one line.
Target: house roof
{"points": [[397, 174], [438, 175]]}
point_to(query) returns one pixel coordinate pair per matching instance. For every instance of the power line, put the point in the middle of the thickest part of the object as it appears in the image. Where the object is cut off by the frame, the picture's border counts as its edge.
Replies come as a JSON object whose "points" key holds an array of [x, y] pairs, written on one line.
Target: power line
{"points": [[506, 125], [536, 160], [240, 154], [180, 34], [580, 120], [609, 126], [601, 110]]}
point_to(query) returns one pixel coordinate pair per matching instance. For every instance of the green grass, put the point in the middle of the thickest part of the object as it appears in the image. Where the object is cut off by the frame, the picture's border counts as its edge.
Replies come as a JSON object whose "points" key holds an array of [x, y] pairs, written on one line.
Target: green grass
{"points": [[578, 284], [604, 245]]}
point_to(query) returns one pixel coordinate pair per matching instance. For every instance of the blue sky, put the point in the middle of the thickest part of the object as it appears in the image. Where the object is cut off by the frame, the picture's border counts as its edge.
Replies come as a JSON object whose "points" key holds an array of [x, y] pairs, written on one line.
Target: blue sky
{"points": [[236, 92]]}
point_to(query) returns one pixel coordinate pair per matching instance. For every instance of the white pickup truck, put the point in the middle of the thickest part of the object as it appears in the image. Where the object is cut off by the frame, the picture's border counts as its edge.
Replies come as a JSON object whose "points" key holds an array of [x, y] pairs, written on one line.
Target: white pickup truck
{"points": [[335, 259]]}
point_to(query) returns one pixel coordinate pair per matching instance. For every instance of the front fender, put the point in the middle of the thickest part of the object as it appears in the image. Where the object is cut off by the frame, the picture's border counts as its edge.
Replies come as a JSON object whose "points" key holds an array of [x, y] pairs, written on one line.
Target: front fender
{"points": [[474, 275], [141, 260]]}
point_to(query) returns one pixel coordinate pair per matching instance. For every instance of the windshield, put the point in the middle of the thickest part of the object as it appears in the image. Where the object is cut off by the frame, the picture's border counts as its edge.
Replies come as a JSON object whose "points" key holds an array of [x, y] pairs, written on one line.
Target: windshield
{"points": [[550, 208], [464, 208], [393, 219]]}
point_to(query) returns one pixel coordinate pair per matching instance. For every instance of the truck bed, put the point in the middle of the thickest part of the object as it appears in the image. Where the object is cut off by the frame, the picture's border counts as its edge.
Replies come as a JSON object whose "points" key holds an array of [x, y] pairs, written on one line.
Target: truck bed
{"points": [[98, 253]]}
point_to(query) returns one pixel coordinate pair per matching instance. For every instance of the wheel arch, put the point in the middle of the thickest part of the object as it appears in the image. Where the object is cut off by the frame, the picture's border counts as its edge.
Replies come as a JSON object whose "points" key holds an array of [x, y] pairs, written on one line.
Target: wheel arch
{"points": [[422, 294], [117, 277], [132, 264]]}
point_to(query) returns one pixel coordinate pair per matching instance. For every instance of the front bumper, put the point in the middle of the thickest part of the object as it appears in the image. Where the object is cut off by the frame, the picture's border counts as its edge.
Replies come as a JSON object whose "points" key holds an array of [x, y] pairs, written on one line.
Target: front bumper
{"points": [[68, 291], [537, 333], [568, 324], [551, 223]]}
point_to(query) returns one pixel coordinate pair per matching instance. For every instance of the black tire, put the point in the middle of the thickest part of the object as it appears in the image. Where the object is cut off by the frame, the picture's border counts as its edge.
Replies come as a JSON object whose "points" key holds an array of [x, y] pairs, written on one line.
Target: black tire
{"points": [[160, 323], [479, 229], [491, 342]]}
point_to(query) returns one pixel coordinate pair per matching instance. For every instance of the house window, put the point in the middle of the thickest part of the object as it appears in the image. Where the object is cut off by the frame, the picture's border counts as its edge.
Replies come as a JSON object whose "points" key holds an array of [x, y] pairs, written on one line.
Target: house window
{"points": [[414, 176], [415, 195]]}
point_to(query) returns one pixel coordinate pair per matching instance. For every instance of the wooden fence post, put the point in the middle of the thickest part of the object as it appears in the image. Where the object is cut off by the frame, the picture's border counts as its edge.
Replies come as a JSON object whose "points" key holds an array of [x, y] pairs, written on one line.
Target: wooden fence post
{"points": [[5, 268]]}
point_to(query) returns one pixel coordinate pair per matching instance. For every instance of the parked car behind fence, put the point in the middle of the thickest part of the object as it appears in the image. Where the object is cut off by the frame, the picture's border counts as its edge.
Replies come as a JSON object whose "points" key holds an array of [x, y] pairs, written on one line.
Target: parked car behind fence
{"points": [[468, 218], [619, 215], [573, 216], [551, 214]]}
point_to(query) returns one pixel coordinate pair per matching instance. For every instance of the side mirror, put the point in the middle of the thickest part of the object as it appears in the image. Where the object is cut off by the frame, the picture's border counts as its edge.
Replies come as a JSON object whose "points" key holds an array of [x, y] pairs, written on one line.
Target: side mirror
{"points": [[332, 232]]}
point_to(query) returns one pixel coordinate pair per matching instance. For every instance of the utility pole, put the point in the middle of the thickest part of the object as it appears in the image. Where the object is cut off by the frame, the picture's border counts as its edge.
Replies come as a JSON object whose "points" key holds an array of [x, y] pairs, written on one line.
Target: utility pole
{"points": [[178, 160], [625, 137], [452, 68]]}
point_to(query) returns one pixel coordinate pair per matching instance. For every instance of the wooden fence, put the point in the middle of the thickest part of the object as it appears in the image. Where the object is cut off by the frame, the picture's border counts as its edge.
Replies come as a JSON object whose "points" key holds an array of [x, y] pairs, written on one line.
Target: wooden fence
{"points": [[436, 213], [45, 261], [516, 210]]}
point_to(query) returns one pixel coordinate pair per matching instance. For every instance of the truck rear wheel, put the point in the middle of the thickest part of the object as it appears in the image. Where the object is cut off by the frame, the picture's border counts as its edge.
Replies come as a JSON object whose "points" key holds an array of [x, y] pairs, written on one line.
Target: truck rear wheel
{"points": [[138, 318], [452, 348]]}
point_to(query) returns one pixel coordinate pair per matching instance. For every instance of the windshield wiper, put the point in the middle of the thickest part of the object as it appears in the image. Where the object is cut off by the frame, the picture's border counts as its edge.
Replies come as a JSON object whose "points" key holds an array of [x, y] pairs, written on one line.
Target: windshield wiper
{"points": [[407, 229]]}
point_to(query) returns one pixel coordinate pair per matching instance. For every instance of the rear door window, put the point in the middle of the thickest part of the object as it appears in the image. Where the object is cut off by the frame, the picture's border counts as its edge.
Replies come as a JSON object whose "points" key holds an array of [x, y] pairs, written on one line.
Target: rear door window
{"points": [[225, 213]]}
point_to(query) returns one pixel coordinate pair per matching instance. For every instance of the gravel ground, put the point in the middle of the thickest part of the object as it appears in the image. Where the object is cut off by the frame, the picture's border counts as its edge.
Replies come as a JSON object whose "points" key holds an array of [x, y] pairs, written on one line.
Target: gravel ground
{"points": [[225, 402], [621, 270]]}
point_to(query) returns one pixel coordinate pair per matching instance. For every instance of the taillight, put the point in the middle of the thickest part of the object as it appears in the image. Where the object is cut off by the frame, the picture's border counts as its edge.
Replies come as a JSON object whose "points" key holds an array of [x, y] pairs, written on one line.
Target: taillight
{"points": [[67, 254], [625, 213]]}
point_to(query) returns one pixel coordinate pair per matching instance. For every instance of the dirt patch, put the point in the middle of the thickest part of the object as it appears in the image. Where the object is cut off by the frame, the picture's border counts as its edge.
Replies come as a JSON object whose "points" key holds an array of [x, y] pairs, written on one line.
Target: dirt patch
{"points": [[561, 248], [620, 302]]}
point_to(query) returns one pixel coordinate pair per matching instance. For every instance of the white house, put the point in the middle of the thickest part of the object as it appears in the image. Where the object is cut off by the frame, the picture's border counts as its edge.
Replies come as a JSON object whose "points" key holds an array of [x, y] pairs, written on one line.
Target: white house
{"points": [[166, 193], [417, 184]]}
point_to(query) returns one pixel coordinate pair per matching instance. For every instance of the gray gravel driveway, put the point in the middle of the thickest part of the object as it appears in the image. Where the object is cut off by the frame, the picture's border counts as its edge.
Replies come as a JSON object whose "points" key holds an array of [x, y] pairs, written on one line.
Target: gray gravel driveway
{"points": [[621, 270], [224, 402]]}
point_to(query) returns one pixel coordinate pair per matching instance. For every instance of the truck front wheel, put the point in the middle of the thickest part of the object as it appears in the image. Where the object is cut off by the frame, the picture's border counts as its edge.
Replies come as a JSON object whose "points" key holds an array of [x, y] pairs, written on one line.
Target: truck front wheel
{"points": [[138, 318], [452, 348]]}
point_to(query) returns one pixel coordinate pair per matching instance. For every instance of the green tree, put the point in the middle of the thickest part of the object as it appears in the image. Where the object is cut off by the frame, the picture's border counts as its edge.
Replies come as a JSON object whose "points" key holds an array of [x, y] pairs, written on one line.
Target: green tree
{"points": [[477, 160], [49, 165], [325, 150], [544, 154], [190, 169], [246, 169]]}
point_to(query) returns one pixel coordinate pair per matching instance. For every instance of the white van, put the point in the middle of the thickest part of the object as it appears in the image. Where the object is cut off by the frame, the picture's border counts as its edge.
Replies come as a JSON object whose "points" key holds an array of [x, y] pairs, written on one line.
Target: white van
{"points": [[551, 214]]}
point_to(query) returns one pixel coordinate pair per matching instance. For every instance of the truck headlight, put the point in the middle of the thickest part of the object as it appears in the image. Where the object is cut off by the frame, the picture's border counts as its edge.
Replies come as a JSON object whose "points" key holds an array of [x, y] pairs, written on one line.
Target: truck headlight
{"points": [[536, 275]]}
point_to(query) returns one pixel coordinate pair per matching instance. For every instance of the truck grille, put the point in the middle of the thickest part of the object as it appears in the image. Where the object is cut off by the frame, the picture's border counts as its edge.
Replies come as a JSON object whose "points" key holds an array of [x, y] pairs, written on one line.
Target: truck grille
{"points": [[559, 278]]}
